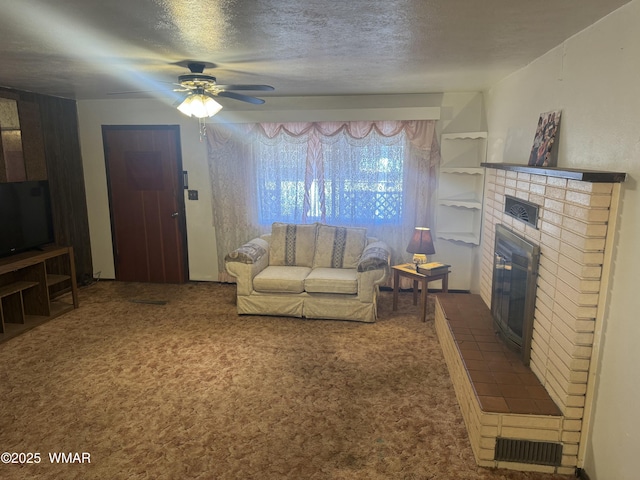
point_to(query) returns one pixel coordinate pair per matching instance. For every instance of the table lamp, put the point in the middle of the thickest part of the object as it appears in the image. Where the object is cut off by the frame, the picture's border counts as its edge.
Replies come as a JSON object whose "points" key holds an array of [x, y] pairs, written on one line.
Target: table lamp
{"points": [[421, 245]]}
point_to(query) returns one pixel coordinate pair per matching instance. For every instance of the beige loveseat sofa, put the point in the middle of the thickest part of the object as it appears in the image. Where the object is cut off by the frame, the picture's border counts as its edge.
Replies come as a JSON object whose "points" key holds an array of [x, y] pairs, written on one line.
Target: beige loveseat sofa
{"points": [[312, 271]]}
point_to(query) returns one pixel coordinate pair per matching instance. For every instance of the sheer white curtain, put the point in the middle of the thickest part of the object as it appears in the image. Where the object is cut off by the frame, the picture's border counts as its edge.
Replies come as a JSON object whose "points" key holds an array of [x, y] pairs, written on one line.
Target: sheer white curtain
{"points": [[381, 175]]}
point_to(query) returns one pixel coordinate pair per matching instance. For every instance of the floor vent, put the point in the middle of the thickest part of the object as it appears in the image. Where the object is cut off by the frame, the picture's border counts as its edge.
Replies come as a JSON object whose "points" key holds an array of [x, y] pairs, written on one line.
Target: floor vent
{"points": [[525, 451], [522, 210]]}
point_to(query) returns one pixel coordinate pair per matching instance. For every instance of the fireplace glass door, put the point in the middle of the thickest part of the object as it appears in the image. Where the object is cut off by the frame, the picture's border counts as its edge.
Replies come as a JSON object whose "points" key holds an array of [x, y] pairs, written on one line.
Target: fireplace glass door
{"points": [[514, 288]]}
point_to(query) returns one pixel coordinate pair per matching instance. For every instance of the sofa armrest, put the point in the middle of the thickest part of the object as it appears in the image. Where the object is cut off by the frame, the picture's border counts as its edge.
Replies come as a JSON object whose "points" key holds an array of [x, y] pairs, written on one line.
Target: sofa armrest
{"points": [[374, 257], [246, 262], [373, 269], [250, 252]]}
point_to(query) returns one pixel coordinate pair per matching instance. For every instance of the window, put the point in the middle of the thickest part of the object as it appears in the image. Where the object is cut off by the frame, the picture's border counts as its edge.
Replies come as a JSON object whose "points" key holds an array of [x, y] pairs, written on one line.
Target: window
{"points": [[354, 182], [280, 175], [379, 175]]}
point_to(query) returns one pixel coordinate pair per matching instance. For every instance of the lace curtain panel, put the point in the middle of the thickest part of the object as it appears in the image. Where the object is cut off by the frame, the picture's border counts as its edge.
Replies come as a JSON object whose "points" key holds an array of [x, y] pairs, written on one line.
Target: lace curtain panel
{"points": [[380, 175]]}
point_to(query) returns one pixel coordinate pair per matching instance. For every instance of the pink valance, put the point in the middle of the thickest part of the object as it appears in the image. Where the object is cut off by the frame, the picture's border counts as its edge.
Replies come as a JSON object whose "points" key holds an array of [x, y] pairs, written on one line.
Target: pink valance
{"points": [[421, 133]]}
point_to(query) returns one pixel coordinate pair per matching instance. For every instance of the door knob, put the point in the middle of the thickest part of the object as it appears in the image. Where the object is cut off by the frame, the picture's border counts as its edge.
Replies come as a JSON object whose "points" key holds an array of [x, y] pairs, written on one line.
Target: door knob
{"points": [[174, 214]]}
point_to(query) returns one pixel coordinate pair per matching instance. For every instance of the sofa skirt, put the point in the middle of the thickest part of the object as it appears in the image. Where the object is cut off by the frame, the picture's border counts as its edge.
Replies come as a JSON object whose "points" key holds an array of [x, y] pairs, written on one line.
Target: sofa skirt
{"points": [[266, 304], [321, 306]]}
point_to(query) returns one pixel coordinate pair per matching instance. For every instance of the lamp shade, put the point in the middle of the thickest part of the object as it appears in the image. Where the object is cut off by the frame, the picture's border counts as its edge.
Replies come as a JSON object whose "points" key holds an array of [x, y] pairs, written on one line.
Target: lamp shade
{"points": [[199, 105], [421, 242]]}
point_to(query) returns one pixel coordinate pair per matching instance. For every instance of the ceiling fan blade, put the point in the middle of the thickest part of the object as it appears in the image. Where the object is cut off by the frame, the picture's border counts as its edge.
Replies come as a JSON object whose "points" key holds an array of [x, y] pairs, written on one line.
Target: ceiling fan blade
{"points": [[246, 87], [239, 96]]}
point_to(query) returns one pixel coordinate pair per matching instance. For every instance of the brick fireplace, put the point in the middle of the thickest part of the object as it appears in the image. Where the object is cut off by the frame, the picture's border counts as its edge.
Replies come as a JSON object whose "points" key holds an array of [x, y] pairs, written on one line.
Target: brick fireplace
{"points": [[574, 230]]}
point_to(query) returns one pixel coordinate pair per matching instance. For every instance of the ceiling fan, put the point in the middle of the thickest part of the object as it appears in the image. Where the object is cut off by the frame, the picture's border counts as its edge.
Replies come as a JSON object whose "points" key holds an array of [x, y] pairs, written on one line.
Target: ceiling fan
{"points": [[199, 82], [197, 91], [201, 88]]}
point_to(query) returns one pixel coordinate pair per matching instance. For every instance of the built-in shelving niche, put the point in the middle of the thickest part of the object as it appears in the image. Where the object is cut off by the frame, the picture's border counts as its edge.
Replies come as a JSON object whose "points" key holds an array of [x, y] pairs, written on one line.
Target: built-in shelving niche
{"points": [[460, 197]]}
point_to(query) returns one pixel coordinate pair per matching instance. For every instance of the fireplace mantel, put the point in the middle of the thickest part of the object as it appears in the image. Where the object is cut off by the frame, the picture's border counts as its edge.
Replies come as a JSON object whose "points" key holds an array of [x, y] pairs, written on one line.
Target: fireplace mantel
{"points": [[592, 176]]}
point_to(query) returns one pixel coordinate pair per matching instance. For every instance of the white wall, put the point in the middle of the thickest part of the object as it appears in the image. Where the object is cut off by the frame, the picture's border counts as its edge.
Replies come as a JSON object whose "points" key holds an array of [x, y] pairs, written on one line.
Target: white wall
{"points": [[593, 78]]}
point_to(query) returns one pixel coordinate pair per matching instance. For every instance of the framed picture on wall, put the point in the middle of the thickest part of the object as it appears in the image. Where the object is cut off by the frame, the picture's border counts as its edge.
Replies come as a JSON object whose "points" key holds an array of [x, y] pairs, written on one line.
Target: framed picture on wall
{"points": [[544, 152]]}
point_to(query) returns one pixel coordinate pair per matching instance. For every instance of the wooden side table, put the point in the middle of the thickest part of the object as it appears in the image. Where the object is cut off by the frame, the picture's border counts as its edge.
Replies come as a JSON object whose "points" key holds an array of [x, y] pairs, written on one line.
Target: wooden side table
{"points": [[409, 270]]}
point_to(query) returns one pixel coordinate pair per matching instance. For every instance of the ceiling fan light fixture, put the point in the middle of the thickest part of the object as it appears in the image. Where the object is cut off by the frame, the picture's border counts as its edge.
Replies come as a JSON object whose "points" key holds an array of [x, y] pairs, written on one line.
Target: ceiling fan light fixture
{"points": [[211, 106], [199, 105]]}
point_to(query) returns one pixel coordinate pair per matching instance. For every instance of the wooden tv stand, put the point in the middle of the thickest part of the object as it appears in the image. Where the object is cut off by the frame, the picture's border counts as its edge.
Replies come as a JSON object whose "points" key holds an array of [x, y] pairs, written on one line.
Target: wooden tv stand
{"points": [[34, 288]]}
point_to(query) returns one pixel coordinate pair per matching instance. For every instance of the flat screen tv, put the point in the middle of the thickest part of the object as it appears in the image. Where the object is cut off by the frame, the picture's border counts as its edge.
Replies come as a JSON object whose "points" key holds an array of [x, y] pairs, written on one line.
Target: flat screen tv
{"points": [[25, 216]]}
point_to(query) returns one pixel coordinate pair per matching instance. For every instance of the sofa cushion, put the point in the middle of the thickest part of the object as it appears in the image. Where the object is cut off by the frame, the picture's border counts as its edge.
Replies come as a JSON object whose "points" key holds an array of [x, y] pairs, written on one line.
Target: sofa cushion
{"points": [[332, 280], [281, 279], [292, 244], [339, 247]]}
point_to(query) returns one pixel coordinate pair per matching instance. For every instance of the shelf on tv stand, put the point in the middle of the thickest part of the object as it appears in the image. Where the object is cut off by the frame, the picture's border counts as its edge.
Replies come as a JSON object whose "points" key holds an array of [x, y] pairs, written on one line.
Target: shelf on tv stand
{"points": [[35, 287]]}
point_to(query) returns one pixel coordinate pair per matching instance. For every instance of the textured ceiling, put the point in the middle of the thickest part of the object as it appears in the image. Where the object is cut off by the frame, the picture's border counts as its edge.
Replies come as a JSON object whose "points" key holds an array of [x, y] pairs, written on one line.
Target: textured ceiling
{"points": [[89, 49]]}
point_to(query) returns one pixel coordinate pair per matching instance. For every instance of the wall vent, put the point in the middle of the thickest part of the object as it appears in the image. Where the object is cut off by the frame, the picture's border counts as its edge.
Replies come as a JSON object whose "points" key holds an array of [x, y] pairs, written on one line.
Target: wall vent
{"points": [[524, 211], [525, 451]]}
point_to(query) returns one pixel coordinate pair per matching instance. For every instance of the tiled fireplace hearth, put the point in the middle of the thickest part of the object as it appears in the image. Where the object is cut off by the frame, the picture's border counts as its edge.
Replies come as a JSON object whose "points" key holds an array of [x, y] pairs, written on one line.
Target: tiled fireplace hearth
{"points": [[534, 418]]}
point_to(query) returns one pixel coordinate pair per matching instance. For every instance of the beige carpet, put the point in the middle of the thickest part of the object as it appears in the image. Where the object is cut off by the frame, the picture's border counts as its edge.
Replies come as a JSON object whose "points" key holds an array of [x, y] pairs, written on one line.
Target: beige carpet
{"points": [[183, 388]]}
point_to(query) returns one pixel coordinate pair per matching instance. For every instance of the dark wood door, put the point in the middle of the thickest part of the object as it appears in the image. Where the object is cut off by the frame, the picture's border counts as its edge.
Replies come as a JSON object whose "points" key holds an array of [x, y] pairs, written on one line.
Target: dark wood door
{"points": [[144, 172]]}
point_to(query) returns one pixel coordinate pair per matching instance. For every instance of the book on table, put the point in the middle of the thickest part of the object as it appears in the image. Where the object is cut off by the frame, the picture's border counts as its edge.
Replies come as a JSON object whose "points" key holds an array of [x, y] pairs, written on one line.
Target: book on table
{"points": [[433, 268]]}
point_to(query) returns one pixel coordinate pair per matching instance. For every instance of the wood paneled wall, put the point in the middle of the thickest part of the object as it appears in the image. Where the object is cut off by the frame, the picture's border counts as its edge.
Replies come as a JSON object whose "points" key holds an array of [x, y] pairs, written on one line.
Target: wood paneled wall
{"points": [[51, 148]]}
